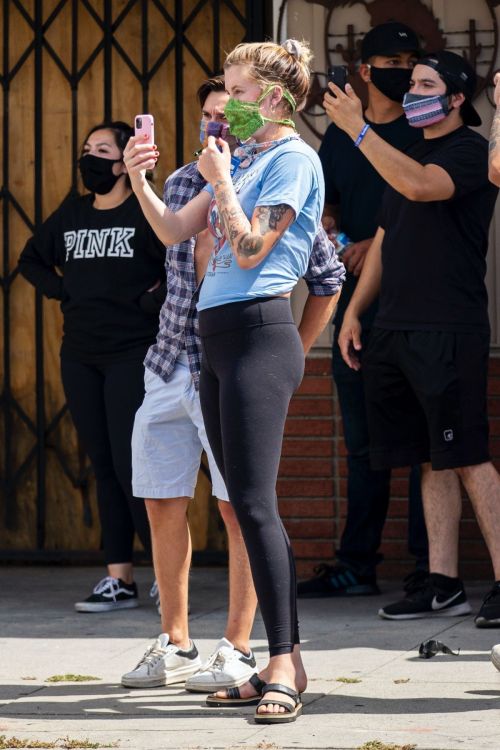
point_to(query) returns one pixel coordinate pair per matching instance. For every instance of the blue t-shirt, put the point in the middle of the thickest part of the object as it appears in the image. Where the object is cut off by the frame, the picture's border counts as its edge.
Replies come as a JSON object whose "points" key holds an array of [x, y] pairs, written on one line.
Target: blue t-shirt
{"points": [[290, 174]]}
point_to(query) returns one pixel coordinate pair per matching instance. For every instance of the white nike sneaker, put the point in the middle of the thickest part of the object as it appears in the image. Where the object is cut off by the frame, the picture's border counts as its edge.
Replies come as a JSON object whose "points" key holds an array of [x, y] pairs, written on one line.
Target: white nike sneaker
{"points": [[163, 663], [495, 656], [226, 667]]}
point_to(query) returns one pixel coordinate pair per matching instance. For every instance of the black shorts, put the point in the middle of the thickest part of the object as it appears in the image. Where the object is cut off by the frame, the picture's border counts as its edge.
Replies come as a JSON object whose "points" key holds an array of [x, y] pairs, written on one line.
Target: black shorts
{"points": [[426, 397]]}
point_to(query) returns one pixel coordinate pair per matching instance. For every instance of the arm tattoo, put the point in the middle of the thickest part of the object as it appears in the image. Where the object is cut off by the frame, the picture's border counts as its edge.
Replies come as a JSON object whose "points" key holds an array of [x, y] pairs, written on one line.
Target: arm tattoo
{"points": [[238, 229], [233, 220], [250, 244], [270, 216], [494, 135]]}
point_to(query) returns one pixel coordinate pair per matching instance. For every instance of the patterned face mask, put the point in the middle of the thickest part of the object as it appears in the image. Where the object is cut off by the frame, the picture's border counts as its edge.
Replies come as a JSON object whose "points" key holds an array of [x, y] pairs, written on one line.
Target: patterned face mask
{"points": [[245, 118], [422, 111]]}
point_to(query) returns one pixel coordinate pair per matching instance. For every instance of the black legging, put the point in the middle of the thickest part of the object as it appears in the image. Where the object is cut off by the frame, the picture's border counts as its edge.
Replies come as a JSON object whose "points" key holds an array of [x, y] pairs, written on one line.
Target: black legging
{"points": [[252, 363], [103, 400]]}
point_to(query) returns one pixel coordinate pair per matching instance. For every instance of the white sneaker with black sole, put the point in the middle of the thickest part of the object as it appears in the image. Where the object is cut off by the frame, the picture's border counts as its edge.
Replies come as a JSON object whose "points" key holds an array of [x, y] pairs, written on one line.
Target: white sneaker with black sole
{"points": [[164, 663], [226, 667], [110, 594]]}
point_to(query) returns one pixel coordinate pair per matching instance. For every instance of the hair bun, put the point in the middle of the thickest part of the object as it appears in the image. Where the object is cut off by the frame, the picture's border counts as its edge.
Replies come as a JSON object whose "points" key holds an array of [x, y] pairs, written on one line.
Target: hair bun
{"points": [[293, 47], [299, 50]]}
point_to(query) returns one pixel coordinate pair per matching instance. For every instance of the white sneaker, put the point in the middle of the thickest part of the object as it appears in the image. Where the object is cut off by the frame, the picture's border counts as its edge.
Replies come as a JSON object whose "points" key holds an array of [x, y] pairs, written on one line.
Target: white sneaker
{"points": [[163, 663], [226, 667], [154, 593], [495, 656]]}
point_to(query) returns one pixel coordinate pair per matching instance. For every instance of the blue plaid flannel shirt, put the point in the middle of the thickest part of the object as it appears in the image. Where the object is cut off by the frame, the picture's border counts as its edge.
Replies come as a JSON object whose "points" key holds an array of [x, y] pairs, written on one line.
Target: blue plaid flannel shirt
{"points": [[178, 316]]}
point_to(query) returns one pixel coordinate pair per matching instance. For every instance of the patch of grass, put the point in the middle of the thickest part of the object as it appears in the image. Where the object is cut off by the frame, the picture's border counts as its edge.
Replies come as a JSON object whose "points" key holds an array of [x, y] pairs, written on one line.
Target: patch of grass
{"points": [[72, 678], [401, 680], [65, 743], [378, 745], [69, 744], [8, 742], [348, 680]]}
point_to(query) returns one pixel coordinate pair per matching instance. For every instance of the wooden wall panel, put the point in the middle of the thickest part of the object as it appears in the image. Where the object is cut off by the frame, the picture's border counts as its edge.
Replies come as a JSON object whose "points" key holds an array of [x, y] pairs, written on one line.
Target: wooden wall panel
{"points": [[117, 80]]}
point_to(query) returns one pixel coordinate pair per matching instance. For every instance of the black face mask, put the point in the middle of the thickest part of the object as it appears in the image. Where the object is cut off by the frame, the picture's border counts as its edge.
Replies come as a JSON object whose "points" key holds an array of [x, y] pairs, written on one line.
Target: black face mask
{"points": [[392, 82], [97, 173]]}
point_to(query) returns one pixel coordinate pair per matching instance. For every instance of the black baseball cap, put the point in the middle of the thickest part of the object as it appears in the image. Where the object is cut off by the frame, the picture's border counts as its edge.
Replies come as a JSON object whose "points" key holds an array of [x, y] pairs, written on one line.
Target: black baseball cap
{"points": [[459, 77], [389, 39]]}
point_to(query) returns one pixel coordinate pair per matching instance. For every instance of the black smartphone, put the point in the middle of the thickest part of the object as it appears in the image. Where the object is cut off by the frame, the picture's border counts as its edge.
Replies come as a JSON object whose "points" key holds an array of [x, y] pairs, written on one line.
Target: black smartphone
{"points": [[338, 74]]}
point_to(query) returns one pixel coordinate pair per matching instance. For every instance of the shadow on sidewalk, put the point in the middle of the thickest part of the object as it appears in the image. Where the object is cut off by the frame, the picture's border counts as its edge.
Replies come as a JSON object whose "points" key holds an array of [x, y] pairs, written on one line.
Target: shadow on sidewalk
{"points": [[113, 702]]}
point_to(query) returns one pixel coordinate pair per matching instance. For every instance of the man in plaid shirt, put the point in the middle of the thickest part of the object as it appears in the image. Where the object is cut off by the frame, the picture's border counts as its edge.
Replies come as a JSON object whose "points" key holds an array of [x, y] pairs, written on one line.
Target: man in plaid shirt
{"points": [[169, 437]]}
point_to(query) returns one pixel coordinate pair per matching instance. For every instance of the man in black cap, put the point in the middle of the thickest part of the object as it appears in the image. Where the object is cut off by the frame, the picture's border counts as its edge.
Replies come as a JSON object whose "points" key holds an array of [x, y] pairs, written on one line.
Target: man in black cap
{"points": [[426, 365], [354, 192]]}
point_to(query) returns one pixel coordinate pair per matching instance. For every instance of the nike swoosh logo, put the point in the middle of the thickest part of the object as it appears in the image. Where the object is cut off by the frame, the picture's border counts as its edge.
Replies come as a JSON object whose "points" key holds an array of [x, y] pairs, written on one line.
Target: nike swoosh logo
{"points": [[441, 605]]}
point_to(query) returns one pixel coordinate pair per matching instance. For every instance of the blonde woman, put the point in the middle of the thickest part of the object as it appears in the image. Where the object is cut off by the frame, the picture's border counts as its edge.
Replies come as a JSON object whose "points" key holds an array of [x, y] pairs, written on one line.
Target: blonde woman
{"points": [[264, 207]]}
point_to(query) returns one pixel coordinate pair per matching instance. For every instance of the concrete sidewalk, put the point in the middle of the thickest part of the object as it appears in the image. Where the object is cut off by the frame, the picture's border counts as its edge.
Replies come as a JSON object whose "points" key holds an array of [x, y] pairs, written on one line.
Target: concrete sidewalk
{"points": [[444, 703]]}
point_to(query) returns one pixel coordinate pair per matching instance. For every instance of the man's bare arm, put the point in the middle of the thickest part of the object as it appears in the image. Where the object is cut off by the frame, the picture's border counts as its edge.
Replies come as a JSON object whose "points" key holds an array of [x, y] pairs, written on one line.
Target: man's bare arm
{"points": [[367, 289], [415, 181], [315, 317]]}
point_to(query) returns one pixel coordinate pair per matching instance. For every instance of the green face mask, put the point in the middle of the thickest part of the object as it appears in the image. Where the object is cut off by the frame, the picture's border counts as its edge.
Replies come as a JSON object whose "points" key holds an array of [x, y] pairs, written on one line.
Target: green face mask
{"points": [[245, 118]]}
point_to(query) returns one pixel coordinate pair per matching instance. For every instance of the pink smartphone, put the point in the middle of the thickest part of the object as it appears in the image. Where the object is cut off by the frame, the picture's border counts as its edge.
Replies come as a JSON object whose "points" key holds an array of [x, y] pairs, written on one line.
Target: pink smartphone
{"points": [[145, 125]]}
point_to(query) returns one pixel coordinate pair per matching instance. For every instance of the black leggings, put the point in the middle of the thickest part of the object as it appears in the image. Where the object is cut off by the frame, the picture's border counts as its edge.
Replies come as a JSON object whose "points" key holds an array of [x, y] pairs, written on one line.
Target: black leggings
{"points": [[103, 400], [252, 363]]}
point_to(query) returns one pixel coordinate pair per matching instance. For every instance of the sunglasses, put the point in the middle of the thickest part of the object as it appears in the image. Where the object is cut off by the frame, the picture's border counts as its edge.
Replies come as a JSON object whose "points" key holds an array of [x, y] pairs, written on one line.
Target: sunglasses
{"points": [[428, 649]]}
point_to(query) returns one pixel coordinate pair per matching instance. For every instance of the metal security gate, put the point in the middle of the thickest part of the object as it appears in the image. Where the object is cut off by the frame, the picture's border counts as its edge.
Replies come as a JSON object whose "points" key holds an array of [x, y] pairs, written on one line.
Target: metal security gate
{"points": [[67, 65]]}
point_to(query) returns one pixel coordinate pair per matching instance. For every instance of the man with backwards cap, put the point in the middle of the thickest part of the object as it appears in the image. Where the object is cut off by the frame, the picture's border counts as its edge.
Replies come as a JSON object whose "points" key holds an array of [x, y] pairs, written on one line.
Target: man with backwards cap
{"points": [[426, 364], [353, 196]]}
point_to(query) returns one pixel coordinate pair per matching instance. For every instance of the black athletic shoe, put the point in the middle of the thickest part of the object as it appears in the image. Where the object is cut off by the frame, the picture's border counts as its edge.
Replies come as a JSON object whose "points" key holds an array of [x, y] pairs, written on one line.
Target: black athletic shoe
{"points": [[431, 600], [337, 580], [415, 581], [110, 594], [489, 614]]}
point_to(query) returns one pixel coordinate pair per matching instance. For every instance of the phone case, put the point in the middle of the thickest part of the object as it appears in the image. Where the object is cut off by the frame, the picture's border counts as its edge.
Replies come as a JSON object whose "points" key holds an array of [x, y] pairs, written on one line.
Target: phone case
{"points": [[145, 125], [337, 74]]}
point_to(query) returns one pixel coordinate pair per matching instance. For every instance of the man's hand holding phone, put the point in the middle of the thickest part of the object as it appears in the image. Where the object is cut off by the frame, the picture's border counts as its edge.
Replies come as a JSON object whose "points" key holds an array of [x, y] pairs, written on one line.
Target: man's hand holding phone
{"points": [[338, 75], [344, 108]]}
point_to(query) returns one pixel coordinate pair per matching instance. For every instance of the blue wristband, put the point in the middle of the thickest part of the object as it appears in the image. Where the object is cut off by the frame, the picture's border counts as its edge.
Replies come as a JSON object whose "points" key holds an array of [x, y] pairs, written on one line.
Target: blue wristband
{"points": [[360, 137]]}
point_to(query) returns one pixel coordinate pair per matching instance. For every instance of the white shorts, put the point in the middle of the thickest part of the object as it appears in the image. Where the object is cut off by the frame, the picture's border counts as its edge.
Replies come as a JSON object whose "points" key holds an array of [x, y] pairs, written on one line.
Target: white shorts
{"points": [[168, 438]]}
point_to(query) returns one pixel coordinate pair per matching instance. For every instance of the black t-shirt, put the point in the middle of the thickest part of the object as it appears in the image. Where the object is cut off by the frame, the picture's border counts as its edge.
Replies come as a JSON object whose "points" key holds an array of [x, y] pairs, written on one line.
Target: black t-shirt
{"points": [[434, 253], [108, 260], [352, 183]]}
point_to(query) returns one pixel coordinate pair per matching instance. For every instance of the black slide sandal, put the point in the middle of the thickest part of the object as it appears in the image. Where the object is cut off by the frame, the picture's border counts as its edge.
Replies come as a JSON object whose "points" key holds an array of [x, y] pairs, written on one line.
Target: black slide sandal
{"points": [[233, 695], [291, 712]]}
